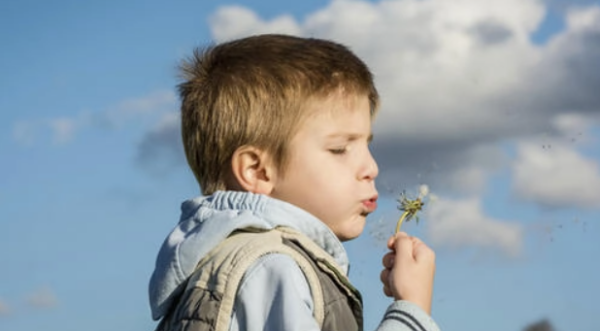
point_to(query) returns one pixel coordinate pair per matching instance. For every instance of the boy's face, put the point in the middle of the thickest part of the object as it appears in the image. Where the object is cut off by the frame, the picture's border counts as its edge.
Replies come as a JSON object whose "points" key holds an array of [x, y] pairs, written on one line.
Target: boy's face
{"points": [[331, 172]]}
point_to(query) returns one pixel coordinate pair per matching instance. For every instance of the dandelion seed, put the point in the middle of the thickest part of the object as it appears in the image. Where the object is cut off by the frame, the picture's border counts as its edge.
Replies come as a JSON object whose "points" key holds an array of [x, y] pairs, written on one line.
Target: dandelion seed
{"points": [[423, 191]]}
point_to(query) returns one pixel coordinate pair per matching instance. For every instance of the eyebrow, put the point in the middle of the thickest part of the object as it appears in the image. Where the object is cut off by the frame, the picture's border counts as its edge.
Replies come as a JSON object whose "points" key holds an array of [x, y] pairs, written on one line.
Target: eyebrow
{"points": [[350, 136]]}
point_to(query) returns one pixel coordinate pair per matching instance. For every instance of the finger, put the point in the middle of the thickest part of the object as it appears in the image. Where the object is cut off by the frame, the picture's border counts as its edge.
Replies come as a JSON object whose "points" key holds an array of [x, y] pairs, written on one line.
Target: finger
{"points": [[404, 246], [422, 252], [390, 242], [388, 260], [418, 242], [417, 246], [384, 276], [420, 248]]}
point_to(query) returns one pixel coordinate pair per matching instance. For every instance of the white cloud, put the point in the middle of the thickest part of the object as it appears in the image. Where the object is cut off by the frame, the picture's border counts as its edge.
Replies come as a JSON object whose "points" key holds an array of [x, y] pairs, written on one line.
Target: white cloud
{"points": [[571, 123], [453, 75], [556, 175], [460, 81], [469, 179], [64, 128], [43, 298], [462, 223], [583, 18], [231, 22], [428, 56], [133, 109], [60, 129]]}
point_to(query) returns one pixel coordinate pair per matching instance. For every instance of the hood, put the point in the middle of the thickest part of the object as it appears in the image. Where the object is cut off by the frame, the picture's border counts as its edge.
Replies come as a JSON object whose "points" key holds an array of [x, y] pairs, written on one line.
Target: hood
{"points": [[206, 221]]}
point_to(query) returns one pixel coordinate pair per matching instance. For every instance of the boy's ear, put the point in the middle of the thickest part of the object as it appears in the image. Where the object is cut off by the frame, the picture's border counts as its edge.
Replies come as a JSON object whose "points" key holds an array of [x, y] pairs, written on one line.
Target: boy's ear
{"points": [[252, 170]]}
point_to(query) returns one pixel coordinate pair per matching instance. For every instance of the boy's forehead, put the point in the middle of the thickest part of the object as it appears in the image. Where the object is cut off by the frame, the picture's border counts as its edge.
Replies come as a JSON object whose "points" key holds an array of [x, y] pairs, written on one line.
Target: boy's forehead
{"points": [[339, 101], [334, 118]]}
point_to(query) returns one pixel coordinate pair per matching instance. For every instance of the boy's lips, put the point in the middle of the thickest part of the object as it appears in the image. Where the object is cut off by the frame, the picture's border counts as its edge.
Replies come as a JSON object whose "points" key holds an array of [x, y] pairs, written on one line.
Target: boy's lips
{"points": [[370, 204]]}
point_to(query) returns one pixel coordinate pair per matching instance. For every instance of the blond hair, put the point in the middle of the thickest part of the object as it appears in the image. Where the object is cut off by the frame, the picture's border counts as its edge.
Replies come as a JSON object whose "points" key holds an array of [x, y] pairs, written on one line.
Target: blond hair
{"points": [[253, 91]]}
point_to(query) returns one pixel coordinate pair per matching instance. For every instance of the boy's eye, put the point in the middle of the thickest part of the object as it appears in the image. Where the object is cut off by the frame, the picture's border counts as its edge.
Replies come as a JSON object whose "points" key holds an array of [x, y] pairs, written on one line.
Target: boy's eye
{"points": [[338, 150]]}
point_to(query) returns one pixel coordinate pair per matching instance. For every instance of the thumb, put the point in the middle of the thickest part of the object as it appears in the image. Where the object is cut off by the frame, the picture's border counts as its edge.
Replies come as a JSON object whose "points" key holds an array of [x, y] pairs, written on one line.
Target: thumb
{"points": [[391, 244], [404, 246]]}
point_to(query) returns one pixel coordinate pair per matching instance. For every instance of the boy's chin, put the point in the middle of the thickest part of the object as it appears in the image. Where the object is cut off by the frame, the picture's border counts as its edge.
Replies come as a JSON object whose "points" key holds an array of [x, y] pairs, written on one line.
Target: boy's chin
{"points": [[351, 233], [346, 238]]}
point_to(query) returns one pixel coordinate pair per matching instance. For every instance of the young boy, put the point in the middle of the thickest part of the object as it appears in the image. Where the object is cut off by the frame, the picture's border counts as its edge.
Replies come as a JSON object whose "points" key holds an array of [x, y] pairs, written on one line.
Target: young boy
{"points": [[276, 130]]}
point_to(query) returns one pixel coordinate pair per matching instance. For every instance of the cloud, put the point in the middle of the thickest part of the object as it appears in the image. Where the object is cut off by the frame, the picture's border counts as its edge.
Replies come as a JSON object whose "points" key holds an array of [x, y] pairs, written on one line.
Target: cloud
{"points": [[160, 149], [446, 167], [4, 309], [43, 299], [462, 223], [490, 33], [60, 130], [556, 176], [542, 325], [468, 62], [229, 22], [572, 127], [462, 83], [133, 109], [63, 129]]}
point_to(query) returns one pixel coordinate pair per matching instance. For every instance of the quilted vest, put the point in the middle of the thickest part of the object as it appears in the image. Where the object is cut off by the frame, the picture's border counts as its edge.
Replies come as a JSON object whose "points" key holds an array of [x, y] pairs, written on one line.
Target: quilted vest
{"points": [[208, 299]]}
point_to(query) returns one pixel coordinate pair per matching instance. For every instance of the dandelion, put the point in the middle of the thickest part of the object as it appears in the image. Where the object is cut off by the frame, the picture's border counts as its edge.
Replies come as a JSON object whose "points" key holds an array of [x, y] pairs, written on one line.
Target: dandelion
{"points": [[411, 207]]}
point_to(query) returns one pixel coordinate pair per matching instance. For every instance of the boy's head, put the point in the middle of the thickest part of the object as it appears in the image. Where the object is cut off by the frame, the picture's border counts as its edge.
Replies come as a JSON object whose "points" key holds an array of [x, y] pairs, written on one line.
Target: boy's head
{"points": [[255, 93]]}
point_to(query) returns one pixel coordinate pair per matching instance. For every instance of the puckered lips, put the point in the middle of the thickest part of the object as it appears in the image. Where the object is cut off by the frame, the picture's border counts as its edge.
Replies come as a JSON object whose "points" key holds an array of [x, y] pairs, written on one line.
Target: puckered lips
{"points": [[369, 205]]}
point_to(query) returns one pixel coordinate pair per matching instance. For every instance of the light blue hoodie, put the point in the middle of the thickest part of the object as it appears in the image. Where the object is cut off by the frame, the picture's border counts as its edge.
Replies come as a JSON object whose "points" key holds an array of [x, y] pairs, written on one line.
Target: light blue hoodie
{"points": [[274, 286]]}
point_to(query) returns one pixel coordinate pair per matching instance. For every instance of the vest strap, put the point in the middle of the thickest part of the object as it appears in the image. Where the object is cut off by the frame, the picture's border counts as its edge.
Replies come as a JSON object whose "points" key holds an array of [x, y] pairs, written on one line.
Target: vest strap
{"points": [[236, 254]]}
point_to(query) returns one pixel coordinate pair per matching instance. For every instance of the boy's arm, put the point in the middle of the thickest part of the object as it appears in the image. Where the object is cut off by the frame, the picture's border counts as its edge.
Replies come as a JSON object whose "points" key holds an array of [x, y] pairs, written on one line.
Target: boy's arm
{"points": [[275, 295], [405, 315]]}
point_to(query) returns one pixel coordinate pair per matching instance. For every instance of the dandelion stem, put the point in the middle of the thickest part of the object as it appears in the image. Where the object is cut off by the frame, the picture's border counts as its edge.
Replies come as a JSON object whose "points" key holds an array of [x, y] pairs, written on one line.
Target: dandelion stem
{"points": [[402, 217]]}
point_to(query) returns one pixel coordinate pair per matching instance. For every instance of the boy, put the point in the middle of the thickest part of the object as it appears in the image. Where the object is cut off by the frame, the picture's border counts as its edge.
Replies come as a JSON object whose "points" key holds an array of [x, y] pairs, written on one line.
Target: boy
{"points": [[276, 130]]}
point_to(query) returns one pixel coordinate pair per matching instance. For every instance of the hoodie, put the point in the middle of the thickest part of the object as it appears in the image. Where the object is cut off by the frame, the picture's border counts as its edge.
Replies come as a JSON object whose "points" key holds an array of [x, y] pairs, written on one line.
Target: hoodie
{"points": [[206, 221]]}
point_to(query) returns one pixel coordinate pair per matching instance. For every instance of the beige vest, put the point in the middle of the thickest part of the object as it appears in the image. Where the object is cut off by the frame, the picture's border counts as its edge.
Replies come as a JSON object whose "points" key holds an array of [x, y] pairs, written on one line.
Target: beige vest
{"points": [[208, 299]]}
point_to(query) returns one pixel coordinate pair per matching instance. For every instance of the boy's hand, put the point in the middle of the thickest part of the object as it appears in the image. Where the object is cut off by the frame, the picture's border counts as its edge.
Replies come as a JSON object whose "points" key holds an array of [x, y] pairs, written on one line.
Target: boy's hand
{"points": [[409, 271]]}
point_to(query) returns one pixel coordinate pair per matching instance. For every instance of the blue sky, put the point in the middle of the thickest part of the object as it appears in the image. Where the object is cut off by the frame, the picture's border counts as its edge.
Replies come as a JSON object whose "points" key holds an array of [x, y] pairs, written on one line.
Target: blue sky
{"points": [[496, 112]]}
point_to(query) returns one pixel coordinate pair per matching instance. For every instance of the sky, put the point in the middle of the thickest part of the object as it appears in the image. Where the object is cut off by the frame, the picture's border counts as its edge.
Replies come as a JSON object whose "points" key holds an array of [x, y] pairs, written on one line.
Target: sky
{"points": [[493, 105]]}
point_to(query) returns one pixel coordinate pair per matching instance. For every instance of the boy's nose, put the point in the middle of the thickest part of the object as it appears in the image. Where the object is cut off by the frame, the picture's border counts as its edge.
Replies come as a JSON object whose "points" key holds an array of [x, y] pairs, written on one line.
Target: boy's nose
{"points": [[370, 170]]}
